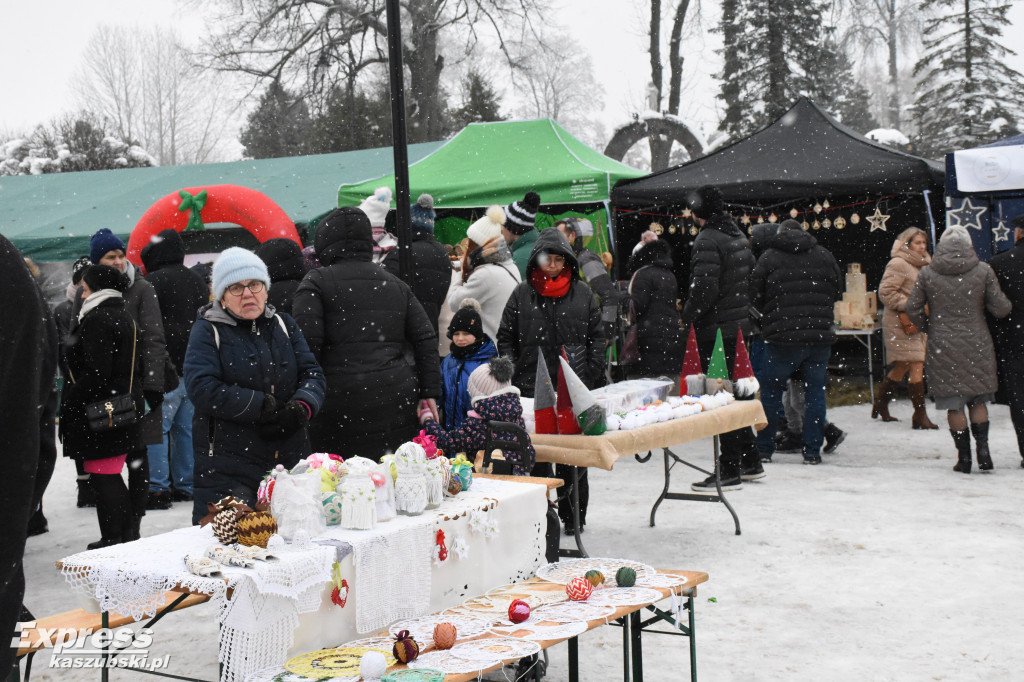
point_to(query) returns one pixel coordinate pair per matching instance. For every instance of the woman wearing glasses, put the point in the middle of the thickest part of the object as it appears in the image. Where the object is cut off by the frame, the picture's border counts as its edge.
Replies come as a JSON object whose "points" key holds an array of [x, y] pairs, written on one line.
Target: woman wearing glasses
{"points": [[253, 380]]}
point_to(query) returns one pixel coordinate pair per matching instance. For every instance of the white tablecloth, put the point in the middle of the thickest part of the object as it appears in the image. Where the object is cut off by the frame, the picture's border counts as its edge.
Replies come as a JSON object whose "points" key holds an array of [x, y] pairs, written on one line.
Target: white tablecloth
{"points": [[282, 608]]}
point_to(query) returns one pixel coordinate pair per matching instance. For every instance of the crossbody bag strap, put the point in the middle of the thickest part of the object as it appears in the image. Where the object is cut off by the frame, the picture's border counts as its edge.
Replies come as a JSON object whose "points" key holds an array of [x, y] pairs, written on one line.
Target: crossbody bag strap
{"points": [[135, 335]]}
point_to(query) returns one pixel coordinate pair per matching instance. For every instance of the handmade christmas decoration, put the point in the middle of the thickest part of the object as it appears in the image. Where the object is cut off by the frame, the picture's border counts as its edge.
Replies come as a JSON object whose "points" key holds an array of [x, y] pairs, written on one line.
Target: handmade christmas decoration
{"points": [[372, 665], [464, 468], [384, 493], [590, 416], [594, 577], [744, 383], [266, 489], [518, 611], [455, 484], [579, 589], [254, 552], [229, 557], [693, 372], [564, 571], [567, 424], [202, 566], [627, 596], [255, 528], [411, 482], [225, 526], [718, 374], [625, 577], [859, 306], [878, 220], [339, 595], [445, 635], [342, 662], [544, 399], [358, 502], [414, 675], [331, 502], [296, 504], [442, 551], [435, 481], [406, 649]]}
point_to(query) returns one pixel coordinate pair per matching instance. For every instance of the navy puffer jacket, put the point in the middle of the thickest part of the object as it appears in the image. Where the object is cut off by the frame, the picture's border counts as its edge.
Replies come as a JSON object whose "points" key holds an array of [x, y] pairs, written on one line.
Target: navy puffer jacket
{"points": [[455, 380]]}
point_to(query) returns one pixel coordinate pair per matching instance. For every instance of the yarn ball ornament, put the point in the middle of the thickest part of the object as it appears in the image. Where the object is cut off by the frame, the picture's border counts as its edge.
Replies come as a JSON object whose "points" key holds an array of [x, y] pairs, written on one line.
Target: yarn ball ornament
{"points": [[579, 589], [445, 635], [266, 490], [225, 526], [595, 578], [625, 577], [406, 649], [255, 528], [518, 611], [332, 507], [373, 665], [455, 484]]}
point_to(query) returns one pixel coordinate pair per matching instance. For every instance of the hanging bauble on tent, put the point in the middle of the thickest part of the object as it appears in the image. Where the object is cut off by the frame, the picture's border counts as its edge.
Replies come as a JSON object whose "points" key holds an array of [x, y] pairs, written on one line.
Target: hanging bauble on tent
{"points": [[544, 399], [567, 424], [589, 415], [744, 383], [718, 373], [692, 382]]}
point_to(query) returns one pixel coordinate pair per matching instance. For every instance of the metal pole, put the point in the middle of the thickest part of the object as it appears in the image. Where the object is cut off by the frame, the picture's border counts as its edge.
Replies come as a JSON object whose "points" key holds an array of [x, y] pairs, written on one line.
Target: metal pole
{"points": [[399, 141]]}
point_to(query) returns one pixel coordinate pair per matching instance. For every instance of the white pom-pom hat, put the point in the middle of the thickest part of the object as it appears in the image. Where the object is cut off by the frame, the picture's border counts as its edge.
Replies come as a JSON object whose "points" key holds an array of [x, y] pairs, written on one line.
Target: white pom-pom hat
{"points": [[487, 227]]}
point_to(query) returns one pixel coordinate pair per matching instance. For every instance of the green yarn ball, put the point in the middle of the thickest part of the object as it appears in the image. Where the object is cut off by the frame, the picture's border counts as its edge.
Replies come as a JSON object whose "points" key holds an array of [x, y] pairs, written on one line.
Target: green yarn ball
{"points": [[625, 577]]}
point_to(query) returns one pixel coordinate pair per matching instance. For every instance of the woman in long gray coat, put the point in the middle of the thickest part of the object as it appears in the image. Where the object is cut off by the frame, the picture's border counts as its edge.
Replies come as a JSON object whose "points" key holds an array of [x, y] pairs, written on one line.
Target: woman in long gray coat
{"points": [[960, 363]]}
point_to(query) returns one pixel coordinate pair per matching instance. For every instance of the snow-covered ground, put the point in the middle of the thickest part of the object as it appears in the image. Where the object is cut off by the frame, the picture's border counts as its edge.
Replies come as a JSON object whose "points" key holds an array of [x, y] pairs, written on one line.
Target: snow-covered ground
{"points": [[880, 564]]}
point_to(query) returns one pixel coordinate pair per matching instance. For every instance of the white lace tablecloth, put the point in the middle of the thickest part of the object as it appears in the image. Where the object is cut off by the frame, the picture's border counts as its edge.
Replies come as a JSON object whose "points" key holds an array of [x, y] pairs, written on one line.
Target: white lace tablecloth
{"points": [[494, 533]]}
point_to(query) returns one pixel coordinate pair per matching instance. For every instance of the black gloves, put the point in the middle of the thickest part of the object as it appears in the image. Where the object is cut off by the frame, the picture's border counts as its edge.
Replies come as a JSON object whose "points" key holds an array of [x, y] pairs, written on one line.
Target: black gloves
{"points": [[268, 409], [283, 421], [154, 398]]}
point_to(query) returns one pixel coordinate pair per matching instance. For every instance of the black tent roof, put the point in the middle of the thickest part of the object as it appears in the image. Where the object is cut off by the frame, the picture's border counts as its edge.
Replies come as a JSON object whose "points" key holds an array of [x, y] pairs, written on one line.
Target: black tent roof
{"points": [[804, 154]]}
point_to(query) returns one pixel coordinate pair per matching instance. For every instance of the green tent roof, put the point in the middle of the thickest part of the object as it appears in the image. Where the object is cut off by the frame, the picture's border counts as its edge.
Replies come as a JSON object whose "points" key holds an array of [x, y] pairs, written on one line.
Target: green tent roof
{"points": [[496, 163], [51, 217]]}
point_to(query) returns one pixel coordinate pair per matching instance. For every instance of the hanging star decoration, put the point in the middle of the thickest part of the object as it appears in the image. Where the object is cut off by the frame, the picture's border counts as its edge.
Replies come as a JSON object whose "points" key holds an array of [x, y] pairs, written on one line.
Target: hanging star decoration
{"points": [[744, 219], [686, 213], [967, 214], [1001, 232], [773, 218], [878, 220]]}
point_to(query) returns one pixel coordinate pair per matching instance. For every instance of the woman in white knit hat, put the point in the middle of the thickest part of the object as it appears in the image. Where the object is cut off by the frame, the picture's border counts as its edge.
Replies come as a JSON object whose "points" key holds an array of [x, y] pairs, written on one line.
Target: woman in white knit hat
{"points": [[488, 273]]}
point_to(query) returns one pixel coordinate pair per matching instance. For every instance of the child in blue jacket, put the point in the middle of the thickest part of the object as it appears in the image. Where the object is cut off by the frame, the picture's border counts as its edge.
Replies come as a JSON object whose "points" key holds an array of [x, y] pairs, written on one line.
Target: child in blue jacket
{"points": [[470, 348]]}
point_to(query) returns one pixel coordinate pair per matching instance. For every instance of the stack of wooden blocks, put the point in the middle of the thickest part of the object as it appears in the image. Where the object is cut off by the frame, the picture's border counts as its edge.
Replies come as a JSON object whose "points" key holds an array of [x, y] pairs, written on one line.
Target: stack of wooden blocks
{"points": [[859, 306]]}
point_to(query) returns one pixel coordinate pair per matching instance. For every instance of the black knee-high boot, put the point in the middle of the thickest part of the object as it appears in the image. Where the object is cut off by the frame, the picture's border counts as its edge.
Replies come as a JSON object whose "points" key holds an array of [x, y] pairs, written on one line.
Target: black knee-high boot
{"points": [[980, 431], [963, 450], [111, 508]]}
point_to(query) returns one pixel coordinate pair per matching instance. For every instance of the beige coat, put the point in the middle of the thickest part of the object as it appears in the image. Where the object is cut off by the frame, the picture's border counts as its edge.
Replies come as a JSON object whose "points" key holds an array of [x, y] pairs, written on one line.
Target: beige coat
{"points": [[893, 291]]}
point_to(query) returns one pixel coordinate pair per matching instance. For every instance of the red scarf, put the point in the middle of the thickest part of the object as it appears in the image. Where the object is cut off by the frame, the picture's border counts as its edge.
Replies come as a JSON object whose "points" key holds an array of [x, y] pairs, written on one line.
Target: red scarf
{"points": [[552, 288]]}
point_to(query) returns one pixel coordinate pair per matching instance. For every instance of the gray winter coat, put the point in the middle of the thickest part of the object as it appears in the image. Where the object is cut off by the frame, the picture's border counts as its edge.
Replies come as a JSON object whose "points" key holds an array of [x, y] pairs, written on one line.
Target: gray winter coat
{"points": [[957, 288]]}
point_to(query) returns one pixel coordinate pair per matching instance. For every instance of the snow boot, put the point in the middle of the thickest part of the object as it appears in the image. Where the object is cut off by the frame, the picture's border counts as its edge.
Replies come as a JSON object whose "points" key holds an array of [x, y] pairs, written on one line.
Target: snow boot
{"points": [[886, 392], [132, 527], [834, 437], [963, 450], [788, 441], [750, 464], [920, 419], [980, 431], [86, 495]]}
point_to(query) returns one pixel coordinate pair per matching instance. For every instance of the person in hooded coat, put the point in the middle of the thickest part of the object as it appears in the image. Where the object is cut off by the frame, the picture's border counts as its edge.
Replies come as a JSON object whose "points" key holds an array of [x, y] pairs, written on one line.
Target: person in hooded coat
{"points": [[653, 290], [254, 383], [431, 267], [287, 267], [373, 339], [181, 293], [1008, 332], [960, 362], [592, 269], [553, 311], [470, 348]]}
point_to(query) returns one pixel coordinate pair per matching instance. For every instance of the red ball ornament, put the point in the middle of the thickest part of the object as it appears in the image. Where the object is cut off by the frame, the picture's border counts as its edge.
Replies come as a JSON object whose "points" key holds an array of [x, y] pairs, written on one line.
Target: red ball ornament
{"points": [[518, 611], [579, 589]]}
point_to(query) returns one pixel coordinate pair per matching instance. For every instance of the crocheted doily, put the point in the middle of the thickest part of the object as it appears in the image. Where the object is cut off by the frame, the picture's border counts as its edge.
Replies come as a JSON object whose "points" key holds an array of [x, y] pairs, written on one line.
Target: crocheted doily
{"points": [[572, 612], [450, 662], [538, 632], [503, 648], [371, 643], [667, 581], [625, 596], [563, 571], [486, 608], [414, 675], [534, 594], [340, 662], [422, 629]]}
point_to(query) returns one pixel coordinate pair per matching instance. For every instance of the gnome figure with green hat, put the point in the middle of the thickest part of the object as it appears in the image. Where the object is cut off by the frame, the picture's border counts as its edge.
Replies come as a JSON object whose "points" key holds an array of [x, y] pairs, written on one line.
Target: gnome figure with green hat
{"points": [[717, 378]]}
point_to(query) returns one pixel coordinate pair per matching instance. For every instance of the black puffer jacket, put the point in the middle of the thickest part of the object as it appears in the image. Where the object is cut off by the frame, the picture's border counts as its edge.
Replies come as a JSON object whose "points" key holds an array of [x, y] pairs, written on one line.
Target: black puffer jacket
{"points": [[719, 293], [795, 285], [432, 273], [653, 291], [373, 339], [573, 321], [286, 267], [180, 291]]}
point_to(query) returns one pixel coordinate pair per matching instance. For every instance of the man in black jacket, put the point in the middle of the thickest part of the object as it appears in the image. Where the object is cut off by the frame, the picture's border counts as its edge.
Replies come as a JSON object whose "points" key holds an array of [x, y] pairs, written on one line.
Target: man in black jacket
{"points": [[795, 285], [181, 293], [287, 267], [1008, 333], [719, 299], [432, 269]]}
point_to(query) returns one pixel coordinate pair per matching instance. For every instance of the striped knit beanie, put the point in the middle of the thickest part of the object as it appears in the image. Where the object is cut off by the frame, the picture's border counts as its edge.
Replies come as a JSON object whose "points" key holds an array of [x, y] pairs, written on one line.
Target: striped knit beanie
{"points": [[521, 216]]}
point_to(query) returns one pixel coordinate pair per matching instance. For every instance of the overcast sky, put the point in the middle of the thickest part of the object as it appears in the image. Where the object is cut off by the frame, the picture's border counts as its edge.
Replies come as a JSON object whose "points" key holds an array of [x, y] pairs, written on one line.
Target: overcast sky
{"points": [[43, 42]]}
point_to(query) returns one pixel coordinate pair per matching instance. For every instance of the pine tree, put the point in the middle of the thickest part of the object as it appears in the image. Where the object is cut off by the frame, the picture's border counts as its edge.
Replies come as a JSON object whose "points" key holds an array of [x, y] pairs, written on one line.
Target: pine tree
{"points": [[352, 120], [834, 87], [966, 94], [480, 102], [279, 126], [770, 51]]}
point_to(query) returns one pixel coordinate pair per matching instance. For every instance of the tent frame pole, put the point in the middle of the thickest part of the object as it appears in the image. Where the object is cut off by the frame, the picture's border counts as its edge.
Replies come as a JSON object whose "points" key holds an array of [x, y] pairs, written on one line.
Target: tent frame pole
{"points": [[399, 141]]}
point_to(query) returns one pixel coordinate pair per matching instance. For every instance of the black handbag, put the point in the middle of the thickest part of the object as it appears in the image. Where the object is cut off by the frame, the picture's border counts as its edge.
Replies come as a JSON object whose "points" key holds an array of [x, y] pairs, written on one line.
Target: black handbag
{"points": [[118, 411]]}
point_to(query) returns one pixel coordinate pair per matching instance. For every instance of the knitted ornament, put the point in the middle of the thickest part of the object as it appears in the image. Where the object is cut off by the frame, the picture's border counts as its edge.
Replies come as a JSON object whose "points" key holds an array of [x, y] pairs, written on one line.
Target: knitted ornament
{"points": [[693, 374], [579, 589], [544, 399], [518, 611], [442, 550], [567, 424], [225, 526], [384, 494], [455, 485], [372, 665], [595, 578], [220, 505], [332, 507], [462, 467], [266, 489], [411, 495], [406, 649], [428, 443], [435, 482], [625, 577], [445, 635], [339, 595], [718, 374], [358, 503], [744, 383], [255, 528], [589, 415]]}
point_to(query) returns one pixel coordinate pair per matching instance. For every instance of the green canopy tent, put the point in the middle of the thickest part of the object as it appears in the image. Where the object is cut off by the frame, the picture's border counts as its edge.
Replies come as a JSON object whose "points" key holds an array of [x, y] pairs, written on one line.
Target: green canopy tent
{"points": [[497, 163]]}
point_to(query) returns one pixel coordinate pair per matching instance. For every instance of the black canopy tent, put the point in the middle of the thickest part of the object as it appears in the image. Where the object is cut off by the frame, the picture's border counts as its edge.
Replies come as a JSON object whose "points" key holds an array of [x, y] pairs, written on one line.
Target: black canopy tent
{"points": [[805, 161]]}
